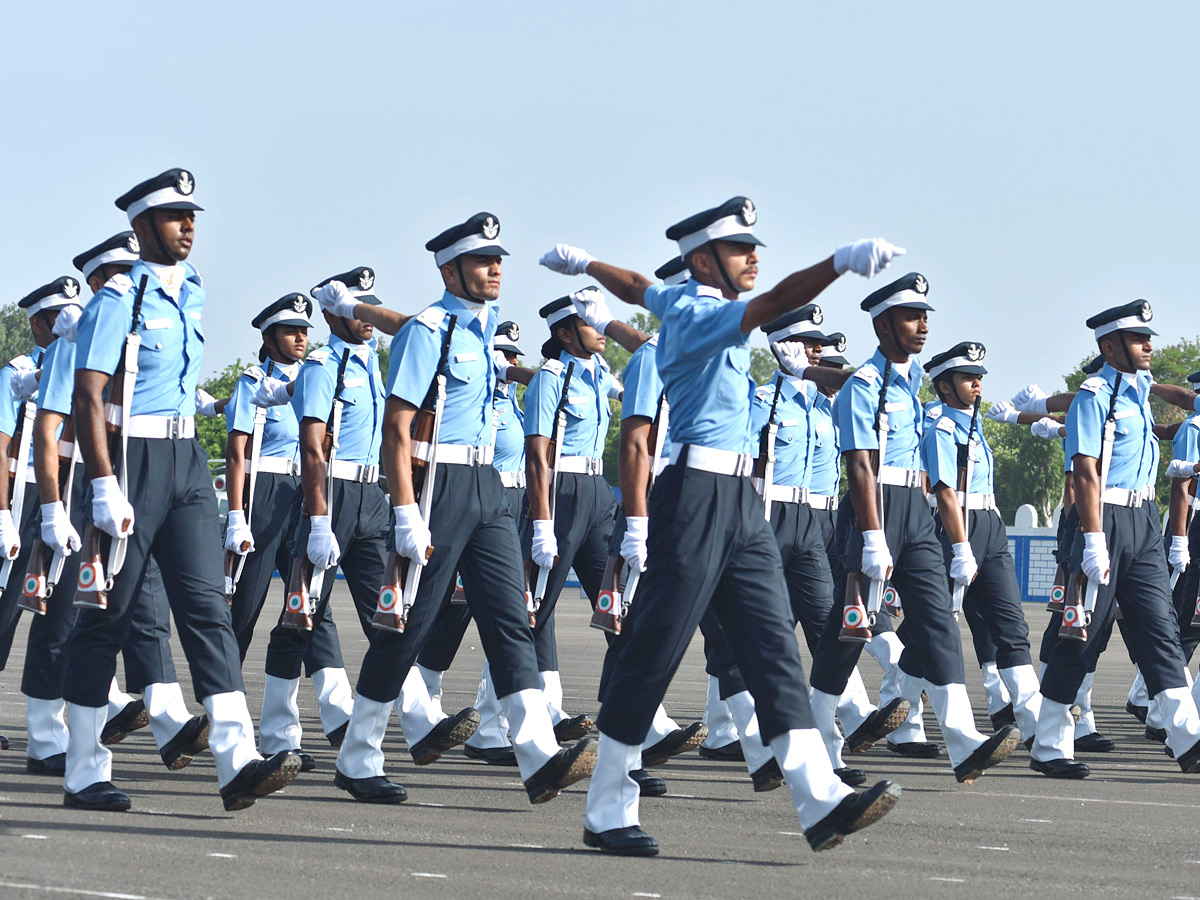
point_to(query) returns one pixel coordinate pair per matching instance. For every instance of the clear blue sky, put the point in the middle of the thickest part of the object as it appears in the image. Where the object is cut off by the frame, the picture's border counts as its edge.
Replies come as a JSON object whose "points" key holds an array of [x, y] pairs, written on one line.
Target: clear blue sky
{"points": [[1037, 160]]}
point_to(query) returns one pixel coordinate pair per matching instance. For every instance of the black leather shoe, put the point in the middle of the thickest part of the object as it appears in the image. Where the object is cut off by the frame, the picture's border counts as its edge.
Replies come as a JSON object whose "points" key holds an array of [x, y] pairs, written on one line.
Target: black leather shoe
{"points": [[101, 796], [1094, 743], [681, 740], [1004, 717], [3, 742], [648, 785], [370, 790], [879, 725], [308, 762], [630, 841], [1190, 761], [131, 718], [1138, 712], [731, 752], [916, 749], [994, 750], [183, 748], [447, 733], [573, 729], [493, 756], [259, 778], [767, 777], [566, 767], [51, 765], [1028, 742], [1156, 734], [1060, 768], [336, 736], [853, 814], [852, 777]]}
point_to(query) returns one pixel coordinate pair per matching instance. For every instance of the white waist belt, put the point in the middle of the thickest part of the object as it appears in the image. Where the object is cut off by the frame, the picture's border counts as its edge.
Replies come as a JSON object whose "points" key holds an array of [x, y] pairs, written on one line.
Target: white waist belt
{"points": [[30, 471], [709, 459], [581, 465], [512, 479], [978, 501], [280, 465], [898, 477], [463, 454], [66, 449], [782, 493], [1122, 497], [165, 427], [822, 501], [660, 464], [348, 471], [1195, 502]]}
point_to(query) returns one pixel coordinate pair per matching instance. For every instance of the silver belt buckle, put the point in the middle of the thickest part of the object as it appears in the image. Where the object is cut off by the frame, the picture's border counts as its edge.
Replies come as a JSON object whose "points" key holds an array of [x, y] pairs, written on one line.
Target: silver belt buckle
{"points": [[175, 427], [476, 455]]}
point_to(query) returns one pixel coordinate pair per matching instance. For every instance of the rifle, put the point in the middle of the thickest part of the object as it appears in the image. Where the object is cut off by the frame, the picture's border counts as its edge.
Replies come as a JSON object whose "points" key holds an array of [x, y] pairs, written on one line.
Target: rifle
{"points": [[235, 562], [103, 555], [966, 472], [764, 465], [857, 619], [44, 570], [426, 425], [18, 467], [533, 599], [611, 605], [1080, 601], [1187, 526], [305, 580]]}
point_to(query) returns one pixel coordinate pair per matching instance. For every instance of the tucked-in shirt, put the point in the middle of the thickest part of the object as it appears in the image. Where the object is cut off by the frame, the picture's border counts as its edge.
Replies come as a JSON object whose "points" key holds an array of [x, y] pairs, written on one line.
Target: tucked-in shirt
{"points": [[362, 396], [57, 383], [281, 428], [1186, 445], [1134, 463], [470, 371], [510, 431], [704, 362], [826, 462], [940, 453], [856, 405], [172, 350], [793, 439], [587, 406], [644, 387]]}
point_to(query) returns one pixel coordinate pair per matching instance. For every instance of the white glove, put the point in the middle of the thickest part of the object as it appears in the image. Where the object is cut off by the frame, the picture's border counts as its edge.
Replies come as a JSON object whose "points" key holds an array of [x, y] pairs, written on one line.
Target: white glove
{"points": [[336, 299], [237, 533], [963, 567], [412, 534], [273, 392], [1047, 428], [865, 257], [545, 544], [793, 358], [24, 384], [567, 260], [66, 324], [1096, 564], [323, 550], [876, 558], [1003, 411], [633, 545], [501, 363], [1031, 399], [592, 308], [1181, 468], [206, 403], [110, 510], [10, 538], [57, 531], [1179, 557]]}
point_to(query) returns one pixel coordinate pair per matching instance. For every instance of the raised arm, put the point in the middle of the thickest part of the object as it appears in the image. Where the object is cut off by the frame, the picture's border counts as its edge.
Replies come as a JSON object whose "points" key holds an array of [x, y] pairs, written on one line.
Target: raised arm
{"points": [[793, 292]]}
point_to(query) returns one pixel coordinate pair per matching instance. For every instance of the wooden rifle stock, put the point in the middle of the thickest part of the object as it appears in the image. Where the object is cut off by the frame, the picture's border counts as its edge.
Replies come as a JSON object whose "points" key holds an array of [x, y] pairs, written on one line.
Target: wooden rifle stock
{"points": [[1058, 593], [33, 590], [299, 606], [608, 612], [1074, 618], [91, 591], [854, 612]]}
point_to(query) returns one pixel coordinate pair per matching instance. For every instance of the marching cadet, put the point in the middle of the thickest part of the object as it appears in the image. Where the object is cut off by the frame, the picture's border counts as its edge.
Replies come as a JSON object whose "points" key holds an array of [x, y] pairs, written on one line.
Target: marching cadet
{"points": [[170, 507], [974, 539], [895, 542], [1110, 433], [708, 539], [1184, 527], [469, 528]]}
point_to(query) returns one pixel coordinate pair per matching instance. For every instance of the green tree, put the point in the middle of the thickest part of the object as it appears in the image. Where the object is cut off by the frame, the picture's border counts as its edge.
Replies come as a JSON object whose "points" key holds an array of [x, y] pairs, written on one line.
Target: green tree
{"points": [[210, 430], [617, 358], [15, 336]]}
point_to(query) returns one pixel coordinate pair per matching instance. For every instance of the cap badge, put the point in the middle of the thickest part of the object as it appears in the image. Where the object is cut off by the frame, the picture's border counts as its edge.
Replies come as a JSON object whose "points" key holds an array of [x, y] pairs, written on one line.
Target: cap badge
{"points": [[491, 228], [748, 213], [975, 353], [920, 285], [1146, 313], [366, 279], [185, 184], [817, 316], [512, 332], [70, 288], [299, 304], [841, 344], [132, 244]]}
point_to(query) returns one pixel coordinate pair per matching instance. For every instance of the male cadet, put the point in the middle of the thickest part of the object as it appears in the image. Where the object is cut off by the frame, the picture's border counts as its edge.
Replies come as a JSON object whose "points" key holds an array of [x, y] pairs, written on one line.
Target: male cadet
{"points": [[470, 528], [974, 539], [897, 542], [708, 539], [1120, 550], [170, 507], [1184, 527]]}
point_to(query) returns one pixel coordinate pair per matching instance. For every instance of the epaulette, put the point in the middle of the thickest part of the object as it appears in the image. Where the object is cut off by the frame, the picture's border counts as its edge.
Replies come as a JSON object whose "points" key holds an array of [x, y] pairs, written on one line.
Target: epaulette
{"points": [[1194, 421], [603, 363], [431, 317], [317, 356], [24, 356], [1093, 384], [653, 342], [255, 373], [554, 366], [867, 373], [945, 423], [764, 392], [121, 283], [933, 411], [192, 274]]}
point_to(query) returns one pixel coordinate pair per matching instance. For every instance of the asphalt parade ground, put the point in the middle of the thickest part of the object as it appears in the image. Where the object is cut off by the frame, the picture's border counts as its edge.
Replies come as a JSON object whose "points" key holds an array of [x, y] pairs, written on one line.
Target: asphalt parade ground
{"points": [[468, 830]]}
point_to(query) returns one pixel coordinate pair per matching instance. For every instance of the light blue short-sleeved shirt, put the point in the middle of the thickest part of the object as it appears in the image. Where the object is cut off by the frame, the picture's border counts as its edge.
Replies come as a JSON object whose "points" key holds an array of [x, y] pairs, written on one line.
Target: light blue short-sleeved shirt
{"points": [[704, 363], [1134, 463], [470, 370], [940, 450], [857, 402], [793, 439], [172, 351], [281, 429], [362, 396], [587, 407], [57, 383], [644, 387], [1186, 445], [510, 431], [10, 409], [826, 458]]}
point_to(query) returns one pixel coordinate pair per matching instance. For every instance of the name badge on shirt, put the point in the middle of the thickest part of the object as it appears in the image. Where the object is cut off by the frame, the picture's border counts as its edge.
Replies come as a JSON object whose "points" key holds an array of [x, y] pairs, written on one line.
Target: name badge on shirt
{"points": [[789, 423], [896, 406], [466, 357], [355, 382], [577, 400], [152, 324], [1125, 413]]}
